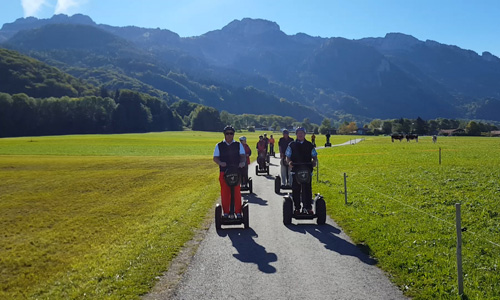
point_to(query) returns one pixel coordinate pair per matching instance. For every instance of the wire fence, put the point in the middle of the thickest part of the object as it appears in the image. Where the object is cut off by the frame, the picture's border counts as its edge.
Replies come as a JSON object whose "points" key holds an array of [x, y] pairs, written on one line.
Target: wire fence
{"points": [[359, 186]]}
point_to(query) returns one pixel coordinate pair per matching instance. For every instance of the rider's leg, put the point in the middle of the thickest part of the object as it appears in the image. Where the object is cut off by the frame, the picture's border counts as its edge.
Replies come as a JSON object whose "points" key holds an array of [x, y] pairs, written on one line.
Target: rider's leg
{"points": [[296, 194], [225, 193], [284, 172], [307, 196]]}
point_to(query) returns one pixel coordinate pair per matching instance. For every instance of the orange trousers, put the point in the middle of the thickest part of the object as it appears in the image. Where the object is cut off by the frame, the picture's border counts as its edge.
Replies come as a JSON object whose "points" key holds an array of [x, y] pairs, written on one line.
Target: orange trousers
{"points": [[225, 196]]}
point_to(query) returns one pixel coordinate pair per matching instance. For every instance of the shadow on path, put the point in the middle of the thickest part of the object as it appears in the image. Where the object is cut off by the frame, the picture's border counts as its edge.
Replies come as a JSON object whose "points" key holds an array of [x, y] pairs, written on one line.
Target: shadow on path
{"points": [[327, 234], [248, 250], [253, 198]]}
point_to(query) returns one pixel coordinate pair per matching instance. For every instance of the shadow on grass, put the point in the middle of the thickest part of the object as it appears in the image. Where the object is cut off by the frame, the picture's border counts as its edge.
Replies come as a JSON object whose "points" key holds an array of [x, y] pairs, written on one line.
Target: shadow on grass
{"points": [[248, 250], [327, 234]]}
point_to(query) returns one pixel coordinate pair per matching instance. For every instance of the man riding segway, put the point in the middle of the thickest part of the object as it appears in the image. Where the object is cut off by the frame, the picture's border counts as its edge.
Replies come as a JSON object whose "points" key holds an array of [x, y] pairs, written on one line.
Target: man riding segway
{"points": [[229, 155], [301, 154]]}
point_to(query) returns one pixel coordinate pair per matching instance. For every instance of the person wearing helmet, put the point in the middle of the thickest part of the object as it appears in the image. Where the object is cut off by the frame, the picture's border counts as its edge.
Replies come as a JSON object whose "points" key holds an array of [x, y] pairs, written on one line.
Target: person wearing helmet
{"points": [[282, 145], [229, 153], [248, 152], [301, 151]]}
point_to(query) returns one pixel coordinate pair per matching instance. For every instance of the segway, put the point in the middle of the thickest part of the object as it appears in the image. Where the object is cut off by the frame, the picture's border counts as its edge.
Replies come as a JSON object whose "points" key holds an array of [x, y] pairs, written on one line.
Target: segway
{"points": [[248, 187], [303, 176], [262, 164], [277, 181], [232, 178]]}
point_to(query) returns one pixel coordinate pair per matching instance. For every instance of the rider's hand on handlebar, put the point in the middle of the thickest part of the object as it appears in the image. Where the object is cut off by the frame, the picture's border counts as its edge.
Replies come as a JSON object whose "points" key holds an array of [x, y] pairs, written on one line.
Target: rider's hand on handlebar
{"points": [[241, 165], [223, 164]]}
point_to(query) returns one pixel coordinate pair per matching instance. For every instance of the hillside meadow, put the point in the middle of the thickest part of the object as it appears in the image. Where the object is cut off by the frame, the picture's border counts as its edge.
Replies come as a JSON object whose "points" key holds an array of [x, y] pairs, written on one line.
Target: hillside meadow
{"points": [[101, 215], [401, 209]]}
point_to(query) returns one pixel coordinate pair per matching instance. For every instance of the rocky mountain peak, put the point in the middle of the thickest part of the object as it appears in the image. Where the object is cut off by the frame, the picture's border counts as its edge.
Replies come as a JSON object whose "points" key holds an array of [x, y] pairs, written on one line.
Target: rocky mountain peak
{"points": [[251, 27]]}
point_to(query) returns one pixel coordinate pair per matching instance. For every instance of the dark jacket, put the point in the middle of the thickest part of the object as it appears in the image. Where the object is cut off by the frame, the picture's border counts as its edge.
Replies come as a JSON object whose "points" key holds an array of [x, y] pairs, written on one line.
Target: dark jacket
{"points": [[230, 154]]}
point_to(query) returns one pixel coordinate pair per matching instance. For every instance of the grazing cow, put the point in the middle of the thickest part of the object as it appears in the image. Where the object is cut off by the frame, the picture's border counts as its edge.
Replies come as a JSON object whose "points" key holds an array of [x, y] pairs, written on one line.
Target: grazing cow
{"points": [[434, 138], [411, 136], [397, 136]]}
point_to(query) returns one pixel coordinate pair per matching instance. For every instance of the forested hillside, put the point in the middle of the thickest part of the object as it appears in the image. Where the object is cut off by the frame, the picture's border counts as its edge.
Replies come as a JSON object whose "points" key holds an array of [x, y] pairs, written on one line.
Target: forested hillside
{"points": [[250, 67]]}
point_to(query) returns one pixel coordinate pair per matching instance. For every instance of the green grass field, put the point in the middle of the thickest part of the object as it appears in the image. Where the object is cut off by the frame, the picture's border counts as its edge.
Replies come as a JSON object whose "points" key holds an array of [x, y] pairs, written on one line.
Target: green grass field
{"points": [[401, 206], [100, 216]]}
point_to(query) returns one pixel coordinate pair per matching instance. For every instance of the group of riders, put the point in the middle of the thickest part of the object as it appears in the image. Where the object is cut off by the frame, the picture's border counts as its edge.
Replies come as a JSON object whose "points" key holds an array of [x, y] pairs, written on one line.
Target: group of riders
{"points": [[294, 154]]}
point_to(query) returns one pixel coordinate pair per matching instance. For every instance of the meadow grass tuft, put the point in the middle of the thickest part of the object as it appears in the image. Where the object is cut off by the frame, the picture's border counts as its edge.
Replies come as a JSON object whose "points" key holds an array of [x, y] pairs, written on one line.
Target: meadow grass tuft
{"points": [[401, 206]]}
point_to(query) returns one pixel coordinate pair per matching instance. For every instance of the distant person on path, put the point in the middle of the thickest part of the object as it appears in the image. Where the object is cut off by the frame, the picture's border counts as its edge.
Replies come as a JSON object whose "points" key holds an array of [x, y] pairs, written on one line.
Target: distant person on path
{"points": [[271, 145], [266, 139], [248, 153], [261, 152], [301, 151], [229, 153], [282, 145], [313, 140], [328, 137]]}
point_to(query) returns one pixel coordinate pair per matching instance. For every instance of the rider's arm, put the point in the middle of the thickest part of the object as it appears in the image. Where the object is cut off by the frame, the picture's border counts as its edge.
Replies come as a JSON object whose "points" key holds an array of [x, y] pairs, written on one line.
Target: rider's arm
{"points": [[314, 156], [288, 155], [220, 163]]}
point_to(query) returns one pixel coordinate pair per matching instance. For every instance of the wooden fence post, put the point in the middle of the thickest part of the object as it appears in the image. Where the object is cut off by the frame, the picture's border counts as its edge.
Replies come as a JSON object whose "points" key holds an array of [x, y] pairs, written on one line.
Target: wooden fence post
{"points": [[459, 250], [345, 187]]}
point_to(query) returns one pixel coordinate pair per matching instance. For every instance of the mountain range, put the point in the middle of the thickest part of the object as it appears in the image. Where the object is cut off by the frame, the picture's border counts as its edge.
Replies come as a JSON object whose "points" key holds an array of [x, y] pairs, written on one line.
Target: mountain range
{"points": [[251, 66]]}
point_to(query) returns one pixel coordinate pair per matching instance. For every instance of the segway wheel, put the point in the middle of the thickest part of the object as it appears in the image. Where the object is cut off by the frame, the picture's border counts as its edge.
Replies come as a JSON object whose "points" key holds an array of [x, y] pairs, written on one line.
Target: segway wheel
{"points": [[320, 210], [218, 216], [277, 184], [250, 185], [287, 211], [246, 217]]}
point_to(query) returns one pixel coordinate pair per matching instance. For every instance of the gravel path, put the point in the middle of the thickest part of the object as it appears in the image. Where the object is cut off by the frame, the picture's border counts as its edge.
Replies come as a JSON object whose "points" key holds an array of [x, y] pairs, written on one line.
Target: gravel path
{"points": [[273, 261]]}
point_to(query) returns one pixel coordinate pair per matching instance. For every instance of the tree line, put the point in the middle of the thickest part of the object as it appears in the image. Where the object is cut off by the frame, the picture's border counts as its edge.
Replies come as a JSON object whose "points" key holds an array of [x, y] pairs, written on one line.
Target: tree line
{"points": [[128, 111]]}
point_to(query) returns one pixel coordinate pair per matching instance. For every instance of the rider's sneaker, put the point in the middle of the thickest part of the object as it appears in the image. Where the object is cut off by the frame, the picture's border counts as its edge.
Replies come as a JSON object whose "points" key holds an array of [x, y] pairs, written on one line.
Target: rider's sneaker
{"points": [[225, 216], [310, 212], [239, 216], [296, 212]]}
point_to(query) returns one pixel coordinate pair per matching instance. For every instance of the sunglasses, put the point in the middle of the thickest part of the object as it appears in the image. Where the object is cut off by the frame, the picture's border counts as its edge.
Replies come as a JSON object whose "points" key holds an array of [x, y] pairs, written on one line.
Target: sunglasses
{"points": [[229, 133]]}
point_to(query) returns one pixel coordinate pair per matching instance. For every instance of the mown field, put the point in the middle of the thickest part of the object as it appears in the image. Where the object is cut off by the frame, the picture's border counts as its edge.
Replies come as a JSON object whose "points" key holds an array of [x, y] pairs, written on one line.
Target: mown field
{"points": [[100, 216], [401, 208]]}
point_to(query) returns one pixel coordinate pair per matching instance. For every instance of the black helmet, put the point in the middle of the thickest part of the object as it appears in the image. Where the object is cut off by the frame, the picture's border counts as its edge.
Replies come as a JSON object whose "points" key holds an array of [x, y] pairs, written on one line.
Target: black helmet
{"points": [[229, 128]]}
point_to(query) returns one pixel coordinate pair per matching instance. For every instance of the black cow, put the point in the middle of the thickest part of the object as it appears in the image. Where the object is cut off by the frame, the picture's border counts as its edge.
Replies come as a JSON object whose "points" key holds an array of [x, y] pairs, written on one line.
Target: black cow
{"points": [[397, 136], [412, 136]]}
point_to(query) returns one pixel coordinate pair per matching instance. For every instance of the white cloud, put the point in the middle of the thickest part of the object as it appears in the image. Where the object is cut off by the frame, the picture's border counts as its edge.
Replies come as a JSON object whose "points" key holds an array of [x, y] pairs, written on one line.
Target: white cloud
{"points": [[31, 7], [65, 6]]}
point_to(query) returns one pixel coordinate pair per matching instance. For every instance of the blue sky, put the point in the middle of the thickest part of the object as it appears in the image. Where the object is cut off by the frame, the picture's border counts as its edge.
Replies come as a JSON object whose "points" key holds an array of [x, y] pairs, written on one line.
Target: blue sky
{"points": [[469, 24]]}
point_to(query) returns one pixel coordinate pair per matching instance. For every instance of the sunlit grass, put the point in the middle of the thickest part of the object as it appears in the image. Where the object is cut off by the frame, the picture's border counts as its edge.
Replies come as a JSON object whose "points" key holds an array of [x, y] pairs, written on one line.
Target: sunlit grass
{"points": [[402, 206]]}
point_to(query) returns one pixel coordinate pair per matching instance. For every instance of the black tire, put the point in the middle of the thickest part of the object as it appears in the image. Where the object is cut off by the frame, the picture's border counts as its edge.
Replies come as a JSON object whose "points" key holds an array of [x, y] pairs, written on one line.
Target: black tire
{"points": [[320, 210], [218, 216], [277, 184], [287, 211], [250, 186], [246, 216]]}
